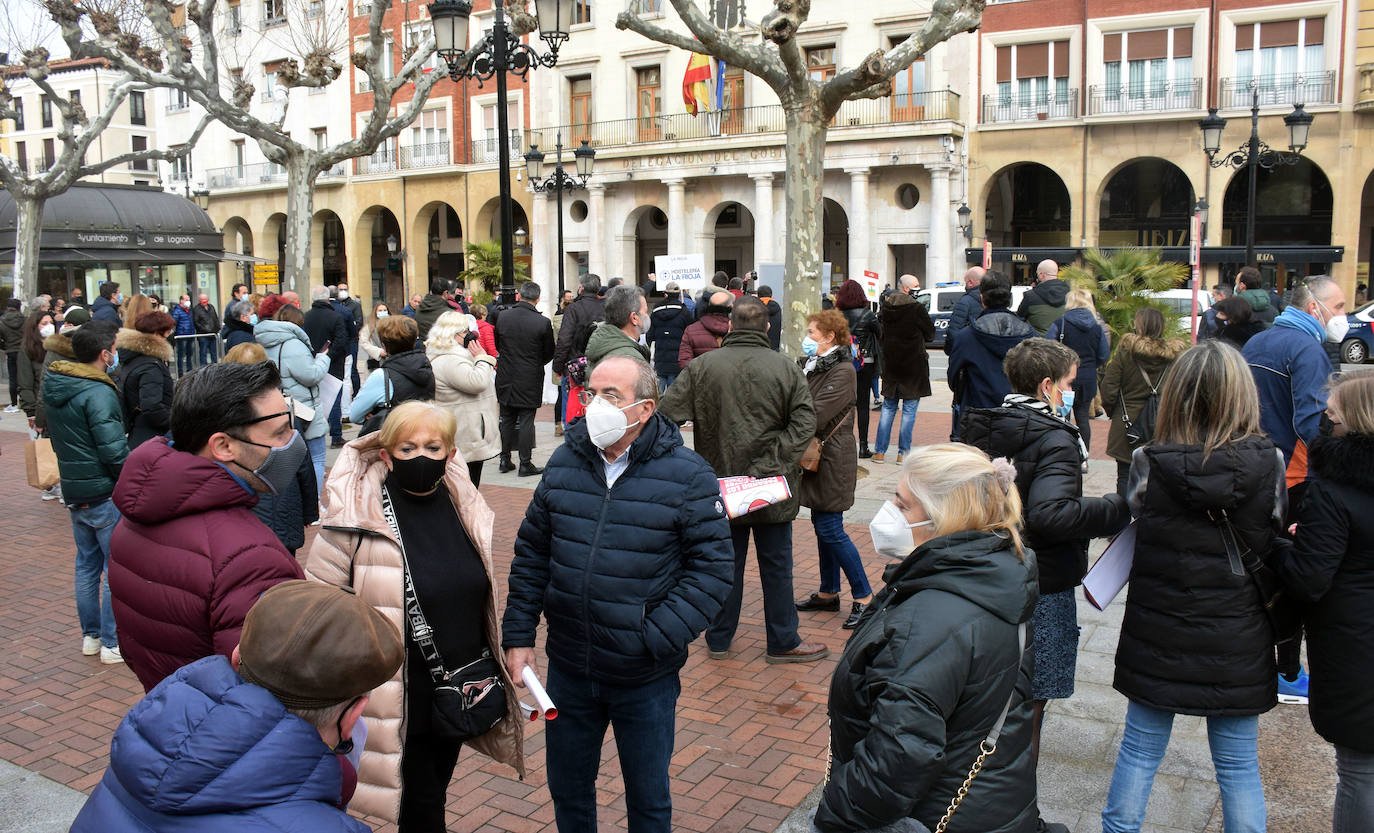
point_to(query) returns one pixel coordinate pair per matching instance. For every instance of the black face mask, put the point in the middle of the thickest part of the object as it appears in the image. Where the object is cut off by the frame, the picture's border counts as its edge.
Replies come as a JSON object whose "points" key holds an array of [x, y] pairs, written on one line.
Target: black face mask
{"points": [[1325, 427], [418, 474]]}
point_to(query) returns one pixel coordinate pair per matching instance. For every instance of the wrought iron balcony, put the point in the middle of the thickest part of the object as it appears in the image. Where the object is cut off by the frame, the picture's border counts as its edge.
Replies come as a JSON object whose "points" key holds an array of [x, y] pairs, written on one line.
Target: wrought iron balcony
{"points": [[908, 108], [1137, 99], [1047, 106], [1278, 90], [240, 176]]}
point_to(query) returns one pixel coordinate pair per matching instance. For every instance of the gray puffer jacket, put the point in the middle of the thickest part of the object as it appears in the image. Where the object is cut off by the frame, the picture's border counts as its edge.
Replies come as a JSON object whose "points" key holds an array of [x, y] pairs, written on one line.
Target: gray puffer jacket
{"points": [[301, 370]]}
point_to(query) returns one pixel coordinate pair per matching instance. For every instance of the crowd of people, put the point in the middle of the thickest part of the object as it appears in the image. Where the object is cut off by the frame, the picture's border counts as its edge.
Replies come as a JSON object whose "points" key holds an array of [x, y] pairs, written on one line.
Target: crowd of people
{"points": [[1242, 473]]}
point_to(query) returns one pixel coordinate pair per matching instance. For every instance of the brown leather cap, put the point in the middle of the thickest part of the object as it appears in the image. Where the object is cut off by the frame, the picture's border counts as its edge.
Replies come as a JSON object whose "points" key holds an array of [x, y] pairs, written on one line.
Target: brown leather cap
{"points": [[314, 645]]}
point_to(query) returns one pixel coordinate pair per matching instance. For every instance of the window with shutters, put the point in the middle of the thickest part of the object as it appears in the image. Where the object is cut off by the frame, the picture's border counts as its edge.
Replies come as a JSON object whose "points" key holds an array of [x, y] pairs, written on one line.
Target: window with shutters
{"points": [[429, 138], [649, 103], [580, 108], [138, 108], [1284, 61], [45, 110], [138, 144], [1147, 70], [49, 153], [21, 155], [1032, 83], [908, 88], [18, 113]]}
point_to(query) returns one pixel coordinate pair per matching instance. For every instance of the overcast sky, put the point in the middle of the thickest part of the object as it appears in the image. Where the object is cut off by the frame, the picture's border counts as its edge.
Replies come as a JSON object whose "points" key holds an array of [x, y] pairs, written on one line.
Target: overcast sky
{"points": [[23, 23]]}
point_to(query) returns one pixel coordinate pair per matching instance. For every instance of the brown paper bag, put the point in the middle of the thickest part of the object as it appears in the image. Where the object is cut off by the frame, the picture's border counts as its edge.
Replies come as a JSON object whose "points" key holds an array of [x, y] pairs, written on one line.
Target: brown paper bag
{"points": [[41, 462]]}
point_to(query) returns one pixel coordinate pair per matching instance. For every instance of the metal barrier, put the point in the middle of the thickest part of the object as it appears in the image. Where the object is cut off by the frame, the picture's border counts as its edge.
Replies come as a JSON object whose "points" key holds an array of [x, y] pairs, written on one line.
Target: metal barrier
{"points": [[199, 351]]}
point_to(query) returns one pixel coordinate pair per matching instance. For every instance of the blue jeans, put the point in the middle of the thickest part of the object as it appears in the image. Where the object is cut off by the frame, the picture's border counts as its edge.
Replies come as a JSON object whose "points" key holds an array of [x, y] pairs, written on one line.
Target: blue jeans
{"points": [[665, 381], [91, 527], [644, 721], [909, 407], [773, 549], [207, 349], [317, 448], [838, 553], [186, 355], [1235, 755], [336, 419]]}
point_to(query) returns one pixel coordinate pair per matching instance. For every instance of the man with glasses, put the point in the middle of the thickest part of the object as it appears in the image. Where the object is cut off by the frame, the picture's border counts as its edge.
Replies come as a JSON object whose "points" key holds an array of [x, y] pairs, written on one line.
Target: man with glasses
{"points": [[189, 557], [625, 551]]}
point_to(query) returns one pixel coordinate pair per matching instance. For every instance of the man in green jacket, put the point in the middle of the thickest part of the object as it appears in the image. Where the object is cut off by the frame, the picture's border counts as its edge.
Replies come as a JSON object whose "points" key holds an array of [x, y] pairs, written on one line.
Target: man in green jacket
{"points": [[627, 319], [751, 414], [86, 425]]}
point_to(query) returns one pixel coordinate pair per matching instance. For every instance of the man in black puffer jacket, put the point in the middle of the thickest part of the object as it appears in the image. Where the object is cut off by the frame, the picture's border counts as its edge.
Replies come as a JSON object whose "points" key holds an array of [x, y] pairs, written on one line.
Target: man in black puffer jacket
{"points": [[625, 550]]}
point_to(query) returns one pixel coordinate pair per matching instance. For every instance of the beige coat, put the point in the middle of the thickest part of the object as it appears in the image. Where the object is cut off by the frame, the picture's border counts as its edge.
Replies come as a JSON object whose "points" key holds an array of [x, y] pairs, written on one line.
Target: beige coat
{"points": [[355, 549], [466, 387]]}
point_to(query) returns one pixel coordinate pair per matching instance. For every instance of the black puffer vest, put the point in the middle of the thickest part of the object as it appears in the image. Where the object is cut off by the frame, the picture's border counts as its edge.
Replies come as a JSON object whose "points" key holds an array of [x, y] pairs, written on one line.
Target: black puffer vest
{"points": [[408, 376], [1195, 639]]}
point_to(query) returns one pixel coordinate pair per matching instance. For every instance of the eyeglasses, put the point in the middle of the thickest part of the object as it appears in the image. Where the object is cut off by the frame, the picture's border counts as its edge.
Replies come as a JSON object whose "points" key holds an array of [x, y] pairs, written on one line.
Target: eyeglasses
{"points": [[586, 397], [263, 418]]}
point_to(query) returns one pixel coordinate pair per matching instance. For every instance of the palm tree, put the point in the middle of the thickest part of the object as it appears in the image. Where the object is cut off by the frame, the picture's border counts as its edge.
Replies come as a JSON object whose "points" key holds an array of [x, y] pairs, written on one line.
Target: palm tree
{"points": [[1121, 283], [483, 261]]}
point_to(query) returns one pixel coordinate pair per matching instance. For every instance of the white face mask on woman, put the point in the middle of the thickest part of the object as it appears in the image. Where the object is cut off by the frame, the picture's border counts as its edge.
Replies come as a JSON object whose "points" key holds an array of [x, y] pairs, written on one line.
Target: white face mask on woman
{"points": [[46, 330], [891, 533]]}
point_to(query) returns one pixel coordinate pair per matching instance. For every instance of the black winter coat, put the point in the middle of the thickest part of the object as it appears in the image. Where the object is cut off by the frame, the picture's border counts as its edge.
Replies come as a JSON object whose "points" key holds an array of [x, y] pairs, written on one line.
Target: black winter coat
{"points": [[583, 310], [145, 385], [1331, 568], [1057, 520], [625, 577], [204, 316], [409, 376], [11, 330], [865, 331], [774, 323], [975, 372], [235, 333], [666, 325], [906, 328], [323, 323], [524, 339], [1195, 638], [921, 682]]}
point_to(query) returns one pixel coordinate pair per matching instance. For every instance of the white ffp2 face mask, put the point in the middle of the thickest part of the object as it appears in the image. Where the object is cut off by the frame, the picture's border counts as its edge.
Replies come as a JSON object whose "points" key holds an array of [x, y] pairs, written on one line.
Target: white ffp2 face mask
{"points": [[606, 423], [891, 533]]}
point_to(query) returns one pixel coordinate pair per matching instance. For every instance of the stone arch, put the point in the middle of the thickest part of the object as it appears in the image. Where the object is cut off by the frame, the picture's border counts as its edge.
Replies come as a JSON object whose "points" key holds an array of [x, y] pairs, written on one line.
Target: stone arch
{"points": [[273, 241], [371, 263], [727, 238], [436, 220], [1145, 201], [1293, 206], [835, 240]]}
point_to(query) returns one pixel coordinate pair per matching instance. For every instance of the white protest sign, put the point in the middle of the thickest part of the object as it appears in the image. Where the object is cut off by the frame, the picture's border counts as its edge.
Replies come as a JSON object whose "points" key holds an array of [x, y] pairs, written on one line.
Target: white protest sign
{"points": [[873, 286], [689, 271]]}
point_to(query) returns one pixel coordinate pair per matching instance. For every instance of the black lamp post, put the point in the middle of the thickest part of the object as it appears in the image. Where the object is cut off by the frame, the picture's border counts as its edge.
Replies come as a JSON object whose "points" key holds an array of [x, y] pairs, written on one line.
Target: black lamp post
{"points": [[497, 55], [1254, 154], [559, 181], [966, 222]]}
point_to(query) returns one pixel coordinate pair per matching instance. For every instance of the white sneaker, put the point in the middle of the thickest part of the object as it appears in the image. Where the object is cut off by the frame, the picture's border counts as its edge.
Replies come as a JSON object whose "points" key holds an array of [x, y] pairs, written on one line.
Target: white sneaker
{"points": [[11, 409], [90, 646], [52, 493], [110, 656]]}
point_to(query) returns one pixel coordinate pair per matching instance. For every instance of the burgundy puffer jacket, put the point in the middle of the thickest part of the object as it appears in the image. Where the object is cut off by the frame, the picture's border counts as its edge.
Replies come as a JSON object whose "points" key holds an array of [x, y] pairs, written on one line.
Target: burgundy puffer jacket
{"points": [[702, 337], [187, 560]]}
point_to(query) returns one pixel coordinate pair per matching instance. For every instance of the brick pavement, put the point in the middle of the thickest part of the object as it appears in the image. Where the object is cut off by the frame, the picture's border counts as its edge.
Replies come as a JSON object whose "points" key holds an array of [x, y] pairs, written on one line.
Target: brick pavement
{"points": [[750, 737]]}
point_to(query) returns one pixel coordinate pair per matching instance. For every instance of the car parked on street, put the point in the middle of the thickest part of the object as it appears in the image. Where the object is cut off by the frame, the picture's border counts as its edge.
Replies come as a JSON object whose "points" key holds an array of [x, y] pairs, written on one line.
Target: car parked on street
{"points": [[940, 303], [1359, 341]]}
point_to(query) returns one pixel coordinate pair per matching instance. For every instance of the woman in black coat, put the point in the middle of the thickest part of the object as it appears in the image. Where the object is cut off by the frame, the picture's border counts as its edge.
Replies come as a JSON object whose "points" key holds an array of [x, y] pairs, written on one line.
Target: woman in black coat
{"points": [[1331, 568], [1236, 321], [1032, 429], [145, 381], [1195, 638], [935, 660], [867, 332]]}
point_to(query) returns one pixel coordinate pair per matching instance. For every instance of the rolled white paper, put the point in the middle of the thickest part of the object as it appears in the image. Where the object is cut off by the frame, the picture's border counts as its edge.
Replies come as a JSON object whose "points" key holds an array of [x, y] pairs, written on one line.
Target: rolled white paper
{"points": [[546, 709]]}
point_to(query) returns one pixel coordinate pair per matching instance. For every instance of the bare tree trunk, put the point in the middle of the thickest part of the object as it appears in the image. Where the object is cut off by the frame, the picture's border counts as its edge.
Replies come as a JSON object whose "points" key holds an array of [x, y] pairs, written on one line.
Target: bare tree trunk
{"points": [[300, 213], [26, 245], [806, 128]]}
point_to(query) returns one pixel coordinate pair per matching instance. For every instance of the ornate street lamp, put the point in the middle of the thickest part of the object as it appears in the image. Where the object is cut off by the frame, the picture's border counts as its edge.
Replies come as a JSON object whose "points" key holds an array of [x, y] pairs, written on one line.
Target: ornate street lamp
{"points": [[559, 180], [1254, 154], [494, 56], [966, 222]]}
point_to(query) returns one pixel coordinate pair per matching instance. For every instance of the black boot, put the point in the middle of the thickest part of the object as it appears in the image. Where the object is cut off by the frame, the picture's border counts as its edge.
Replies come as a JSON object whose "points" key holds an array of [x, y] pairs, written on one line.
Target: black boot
{"points": [[529, 470], [505, 465], [864, 452]]}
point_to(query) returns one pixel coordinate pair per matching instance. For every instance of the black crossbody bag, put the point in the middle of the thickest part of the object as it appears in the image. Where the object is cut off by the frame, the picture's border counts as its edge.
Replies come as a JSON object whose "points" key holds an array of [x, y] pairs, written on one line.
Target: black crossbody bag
{"points": [[468, 701]]}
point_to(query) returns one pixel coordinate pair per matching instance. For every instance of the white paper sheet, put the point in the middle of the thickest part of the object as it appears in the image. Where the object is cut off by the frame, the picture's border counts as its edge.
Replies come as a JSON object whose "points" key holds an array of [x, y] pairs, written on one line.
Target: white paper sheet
{"points": [[330, 388], [1111, 572]]}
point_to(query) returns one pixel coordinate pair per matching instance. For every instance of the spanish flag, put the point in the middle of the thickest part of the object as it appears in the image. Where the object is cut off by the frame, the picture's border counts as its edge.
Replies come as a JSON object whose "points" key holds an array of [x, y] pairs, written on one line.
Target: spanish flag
{"points": [[696, 83]]}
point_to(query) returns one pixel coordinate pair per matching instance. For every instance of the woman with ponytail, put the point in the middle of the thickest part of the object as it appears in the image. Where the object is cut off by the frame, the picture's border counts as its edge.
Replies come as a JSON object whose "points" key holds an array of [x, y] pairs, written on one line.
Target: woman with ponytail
{"points": [[939, 660]]}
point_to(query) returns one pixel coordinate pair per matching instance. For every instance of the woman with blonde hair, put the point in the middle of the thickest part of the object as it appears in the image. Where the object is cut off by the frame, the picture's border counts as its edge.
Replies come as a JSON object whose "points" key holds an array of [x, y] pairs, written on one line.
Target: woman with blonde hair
{"points": [[1331, 569], [1133, 375], [402, 519], [1080, 331], [1195, 638], [938, 663], [465, 384], [137, 305], [829, 490]]}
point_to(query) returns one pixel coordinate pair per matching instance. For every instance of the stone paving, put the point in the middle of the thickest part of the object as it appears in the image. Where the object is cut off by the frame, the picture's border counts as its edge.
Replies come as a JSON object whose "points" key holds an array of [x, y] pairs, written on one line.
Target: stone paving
{"points": [[751, 737]]}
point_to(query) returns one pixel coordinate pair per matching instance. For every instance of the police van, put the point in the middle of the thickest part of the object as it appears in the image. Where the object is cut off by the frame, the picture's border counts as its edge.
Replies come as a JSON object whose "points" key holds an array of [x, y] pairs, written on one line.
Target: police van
{"points": [[940, 301]]}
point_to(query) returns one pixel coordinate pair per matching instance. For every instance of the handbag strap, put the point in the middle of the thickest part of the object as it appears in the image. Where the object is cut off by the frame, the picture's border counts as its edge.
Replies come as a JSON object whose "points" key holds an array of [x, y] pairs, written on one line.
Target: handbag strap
{"points": [[1231, 542], [420, 631], [1148, 383], [836, 428]]}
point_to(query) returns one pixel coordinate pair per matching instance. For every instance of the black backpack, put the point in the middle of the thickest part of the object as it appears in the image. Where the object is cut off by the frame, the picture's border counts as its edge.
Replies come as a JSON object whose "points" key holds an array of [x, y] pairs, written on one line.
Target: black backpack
{"points": [[1141, 430]]}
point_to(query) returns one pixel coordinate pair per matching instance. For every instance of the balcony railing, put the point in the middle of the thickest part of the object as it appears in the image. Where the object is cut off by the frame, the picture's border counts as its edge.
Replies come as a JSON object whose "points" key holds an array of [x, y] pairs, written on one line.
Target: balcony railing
{"points": [[425, 156], [1130, 100], [909, 108], [488, 148], [1045, 107], [1278, 90], [239, 176]]}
